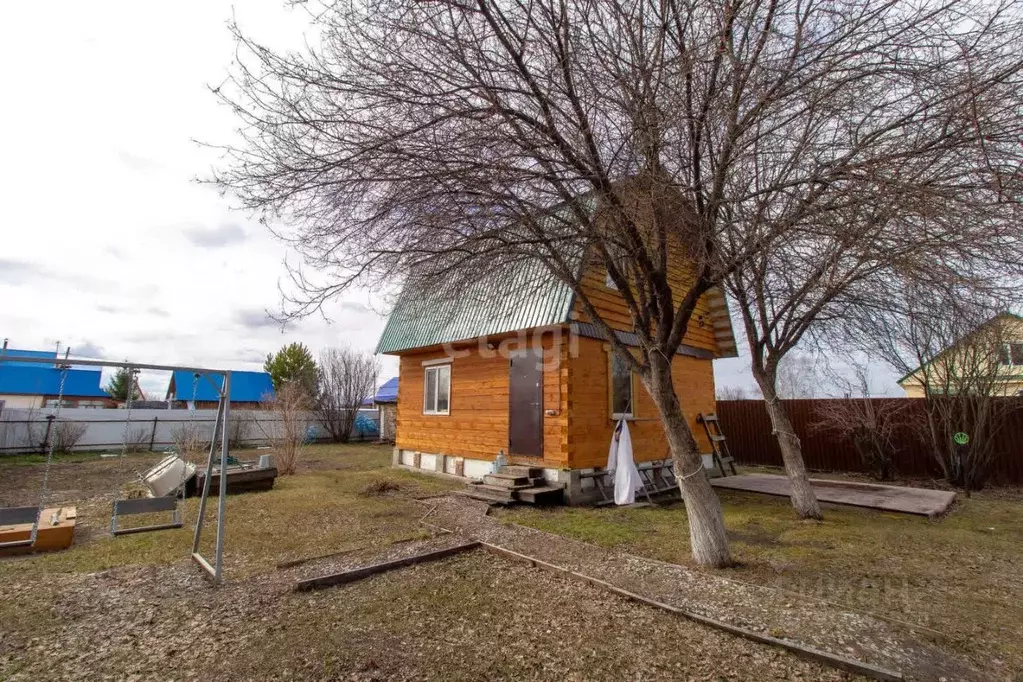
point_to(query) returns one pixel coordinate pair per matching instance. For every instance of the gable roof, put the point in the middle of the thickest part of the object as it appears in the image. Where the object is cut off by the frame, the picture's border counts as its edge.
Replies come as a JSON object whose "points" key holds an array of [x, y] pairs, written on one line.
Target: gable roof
{"points": [[530, 297], [33, 379], [388, 392], [246, 387]]}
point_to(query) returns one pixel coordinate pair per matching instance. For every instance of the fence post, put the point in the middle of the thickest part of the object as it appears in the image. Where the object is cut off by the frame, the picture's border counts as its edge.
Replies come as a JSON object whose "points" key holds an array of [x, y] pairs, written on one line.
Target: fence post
{"points": [[46, 438], [152, 436]]}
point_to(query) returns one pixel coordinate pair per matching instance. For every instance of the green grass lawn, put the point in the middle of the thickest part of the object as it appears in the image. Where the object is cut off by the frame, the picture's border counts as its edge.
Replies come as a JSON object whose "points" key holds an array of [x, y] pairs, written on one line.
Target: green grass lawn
{"points": [[961, 575]]}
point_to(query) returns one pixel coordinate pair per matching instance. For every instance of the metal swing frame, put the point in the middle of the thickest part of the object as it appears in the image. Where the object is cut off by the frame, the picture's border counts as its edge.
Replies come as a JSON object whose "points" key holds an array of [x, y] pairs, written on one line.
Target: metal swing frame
{"points": [[22, 515], [149, 505], [144, 505], [214, 570]]}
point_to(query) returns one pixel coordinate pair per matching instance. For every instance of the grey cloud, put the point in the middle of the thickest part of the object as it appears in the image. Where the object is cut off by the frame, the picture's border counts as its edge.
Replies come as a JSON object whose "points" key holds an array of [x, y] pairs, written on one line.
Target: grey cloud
{"points": [[353, 308], [109, 308], [156, 310], [19, 272], [251, 355], [87, 349], [253, 318], [222, 235]]}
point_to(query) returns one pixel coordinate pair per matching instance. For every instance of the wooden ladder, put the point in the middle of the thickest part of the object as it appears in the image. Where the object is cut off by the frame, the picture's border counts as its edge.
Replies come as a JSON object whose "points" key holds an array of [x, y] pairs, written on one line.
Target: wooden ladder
{"points": [[722, 456]]}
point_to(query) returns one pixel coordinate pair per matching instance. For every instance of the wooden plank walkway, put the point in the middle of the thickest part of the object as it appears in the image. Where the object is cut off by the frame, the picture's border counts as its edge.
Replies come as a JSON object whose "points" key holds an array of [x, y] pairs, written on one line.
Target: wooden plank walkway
{"points": [[921, 501]]}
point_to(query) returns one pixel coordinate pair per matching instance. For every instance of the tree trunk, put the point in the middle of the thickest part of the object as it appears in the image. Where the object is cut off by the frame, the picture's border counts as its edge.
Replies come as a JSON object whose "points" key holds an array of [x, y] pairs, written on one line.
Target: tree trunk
{"points": [[804, 501], [707, 537]]}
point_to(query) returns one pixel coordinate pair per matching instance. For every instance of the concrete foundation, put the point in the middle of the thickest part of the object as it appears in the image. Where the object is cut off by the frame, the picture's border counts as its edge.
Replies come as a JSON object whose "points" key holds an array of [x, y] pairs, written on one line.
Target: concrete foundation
{"points": [[579, 490]]}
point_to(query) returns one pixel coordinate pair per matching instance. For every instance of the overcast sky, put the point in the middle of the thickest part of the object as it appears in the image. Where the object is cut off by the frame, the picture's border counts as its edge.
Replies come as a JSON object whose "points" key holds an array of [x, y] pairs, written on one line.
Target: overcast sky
{"points": [[109, 244]]}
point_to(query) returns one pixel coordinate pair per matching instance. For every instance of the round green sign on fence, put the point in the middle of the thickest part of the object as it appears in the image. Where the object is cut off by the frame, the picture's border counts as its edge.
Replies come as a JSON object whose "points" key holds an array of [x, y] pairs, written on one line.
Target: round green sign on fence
{"points": [[961, 438]]}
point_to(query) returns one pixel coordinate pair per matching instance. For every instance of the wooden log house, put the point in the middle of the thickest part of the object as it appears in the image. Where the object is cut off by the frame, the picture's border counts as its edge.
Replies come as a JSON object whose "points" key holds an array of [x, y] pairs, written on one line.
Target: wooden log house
{"points": [[515, 367]]}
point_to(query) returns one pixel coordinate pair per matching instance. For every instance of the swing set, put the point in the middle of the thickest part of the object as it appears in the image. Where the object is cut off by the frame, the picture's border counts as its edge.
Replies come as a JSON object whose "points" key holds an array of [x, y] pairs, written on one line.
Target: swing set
{"points": [[30, 518]]}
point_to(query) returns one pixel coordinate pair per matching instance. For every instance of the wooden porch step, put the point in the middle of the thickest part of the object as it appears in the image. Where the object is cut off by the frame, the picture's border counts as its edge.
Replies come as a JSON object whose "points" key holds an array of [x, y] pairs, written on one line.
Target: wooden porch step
{"points": [[523, 471], [490, 493], [545, 494], [507, 480]]}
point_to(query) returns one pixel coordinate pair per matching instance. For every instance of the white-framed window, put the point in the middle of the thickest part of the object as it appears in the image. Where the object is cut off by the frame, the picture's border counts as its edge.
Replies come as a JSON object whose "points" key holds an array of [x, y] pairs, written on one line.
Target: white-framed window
{"points": [[437, 390], [52, 402], [621, 388], [1011, 354], [616, 254]]}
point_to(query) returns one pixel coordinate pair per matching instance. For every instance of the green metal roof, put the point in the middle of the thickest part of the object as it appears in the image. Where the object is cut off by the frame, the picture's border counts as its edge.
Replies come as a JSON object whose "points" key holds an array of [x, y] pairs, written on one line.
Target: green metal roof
{"points": [[528, 296]]}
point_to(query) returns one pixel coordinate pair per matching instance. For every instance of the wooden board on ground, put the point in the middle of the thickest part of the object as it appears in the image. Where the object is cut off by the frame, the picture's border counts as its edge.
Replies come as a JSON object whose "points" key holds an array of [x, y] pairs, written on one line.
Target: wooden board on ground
{"points": [[366, 571], [930, 503], [241, 478], [49, 538]]}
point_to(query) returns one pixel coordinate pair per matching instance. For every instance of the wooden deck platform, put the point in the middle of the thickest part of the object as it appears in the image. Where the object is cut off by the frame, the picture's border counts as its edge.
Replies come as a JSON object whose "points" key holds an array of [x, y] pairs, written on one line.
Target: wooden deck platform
{"points": [[921, 501], [49, 538]]}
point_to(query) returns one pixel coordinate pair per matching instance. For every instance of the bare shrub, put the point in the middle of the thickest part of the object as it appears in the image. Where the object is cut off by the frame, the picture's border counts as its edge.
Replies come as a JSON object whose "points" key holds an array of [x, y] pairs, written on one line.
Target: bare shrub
{"points": [[191, 441], [66, 436], [871, 424], [136, 439], [286, 428], [235, 431]]}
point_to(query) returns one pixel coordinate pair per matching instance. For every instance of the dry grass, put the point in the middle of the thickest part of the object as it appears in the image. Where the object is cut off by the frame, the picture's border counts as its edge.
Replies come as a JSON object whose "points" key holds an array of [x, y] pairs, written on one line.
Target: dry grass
{"points": [[318, 510], [959, 575], [151, 616]]}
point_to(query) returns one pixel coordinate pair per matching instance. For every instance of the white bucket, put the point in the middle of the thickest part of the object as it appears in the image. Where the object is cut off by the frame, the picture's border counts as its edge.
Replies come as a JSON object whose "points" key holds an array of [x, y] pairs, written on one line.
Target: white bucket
{"points": [[165, 477], [266, 461]]}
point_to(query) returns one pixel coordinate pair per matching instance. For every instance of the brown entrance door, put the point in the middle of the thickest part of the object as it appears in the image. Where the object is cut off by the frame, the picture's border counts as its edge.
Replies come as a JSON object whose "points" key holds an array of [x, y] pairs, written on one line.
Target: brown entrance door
{"points": [[525, 404]]}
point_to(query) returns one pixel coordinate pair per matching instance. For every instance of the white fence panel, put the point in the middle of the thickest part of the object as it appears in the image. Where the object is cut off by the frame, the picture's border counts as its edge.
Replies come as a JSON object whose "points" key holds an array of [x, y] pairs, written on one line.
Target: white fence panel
{"points": [[28, 430]]}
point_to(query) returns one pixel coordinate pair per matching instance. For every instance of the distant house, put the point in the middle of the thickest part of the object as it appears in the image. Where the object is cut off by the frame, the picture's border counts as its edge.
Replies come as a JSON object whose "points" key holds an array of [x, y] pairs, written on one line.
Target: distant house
{"points": [[993, 352], [248, 390], [34, 385], [386, 401]]}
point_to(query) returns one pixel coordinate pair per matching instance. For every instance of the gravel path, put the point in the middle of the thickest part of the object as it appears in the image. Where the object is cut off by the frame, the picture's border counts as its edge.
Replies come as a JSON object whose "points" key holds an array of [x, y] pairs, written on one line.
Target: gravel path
{"points": [[471, 617], [761, 609]]}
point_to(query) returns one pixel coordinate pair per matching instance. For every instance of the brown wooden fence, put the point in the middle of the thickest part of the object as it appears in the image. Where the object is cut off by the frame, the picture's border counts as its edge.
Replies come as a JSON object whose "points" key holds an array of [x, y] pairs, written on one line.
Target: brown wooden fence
{"points": [[748, 429]]}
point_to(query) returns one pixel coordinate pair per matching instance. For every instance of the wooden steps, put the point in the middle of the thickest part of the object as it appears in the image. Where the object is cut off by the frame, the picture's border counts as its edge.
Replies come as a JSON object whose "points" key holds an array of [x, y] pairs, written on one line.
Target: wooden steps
{"points": [[514, 483]]}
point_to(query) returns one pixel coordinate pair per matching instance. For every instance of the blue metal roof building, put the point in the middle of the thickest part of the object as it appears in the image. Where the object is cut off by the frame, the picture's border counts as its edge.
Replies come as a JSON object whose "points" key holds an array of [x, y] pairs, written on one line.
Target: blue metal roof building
{"points": [[9, 356], [388, 393], [246, 387], [23, 378]]}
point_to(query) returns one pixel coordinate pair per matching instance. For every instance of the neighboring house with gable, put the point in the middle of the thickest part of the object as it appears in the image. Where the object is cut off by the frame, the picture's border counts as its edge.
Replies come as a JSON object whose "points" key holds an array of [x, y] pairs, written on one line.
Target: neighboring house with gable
{"points": [[248, 390], [513, 366], [993, 354], [34, 385]]}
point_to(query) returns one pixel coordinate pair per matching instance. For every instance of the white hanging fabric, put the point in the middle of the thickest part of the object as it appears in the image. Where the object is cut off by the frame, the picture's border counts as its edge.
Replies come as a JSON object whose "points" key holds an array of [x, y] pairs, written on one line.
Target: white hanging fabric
{"points": [[621, 465]]}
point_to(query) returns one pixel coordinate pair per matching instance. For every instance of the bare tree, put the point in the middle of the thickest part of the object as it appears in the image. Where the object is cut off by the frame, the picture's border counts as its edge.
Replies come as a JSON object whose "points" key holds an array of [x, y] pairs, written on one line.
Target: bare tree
{"points": [[732, 393], [445, 139], [347, 377], [796, 378], [288, 425], [953, 351], [869, 423]]}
